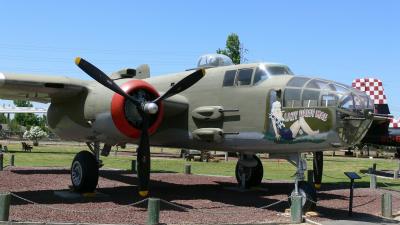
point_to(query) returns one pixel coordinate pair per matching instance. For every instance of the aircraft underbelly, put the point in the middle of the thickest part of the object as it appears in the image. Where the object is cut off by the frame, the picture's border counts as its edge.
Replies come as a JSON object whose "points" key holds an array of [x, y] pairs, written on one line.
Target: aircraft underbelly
{"points": [[243, 142]]}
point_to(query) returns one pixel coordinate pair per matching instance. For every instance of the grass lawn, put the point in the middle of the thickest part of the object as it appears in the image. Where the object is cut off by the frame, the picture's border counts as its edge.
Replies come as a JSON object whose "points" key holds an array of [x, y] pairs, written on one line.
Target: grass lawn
{"points": [[62, 156]]}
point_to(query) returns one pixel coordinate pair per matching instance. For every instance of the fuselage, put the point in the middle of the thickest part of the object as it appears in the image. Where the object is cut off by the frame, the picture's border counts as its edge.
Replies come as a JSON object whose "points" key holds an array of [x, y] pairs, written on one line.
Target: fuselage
{"points": [[258, 107]]}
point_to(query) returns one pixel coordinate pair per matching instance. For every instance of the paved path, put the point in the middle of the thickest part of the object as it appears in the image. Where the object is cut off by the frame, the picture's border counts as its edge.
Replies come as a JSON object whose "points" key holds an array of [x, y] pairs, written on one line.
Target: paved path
{"points": [[353, 222]]}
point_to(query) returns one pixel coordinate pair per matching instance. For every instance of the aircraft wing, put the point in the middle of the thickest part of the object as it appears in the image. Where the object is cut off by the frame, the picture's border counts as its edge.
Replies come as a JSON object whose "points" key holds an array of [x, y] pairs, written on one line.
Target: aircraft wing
{"points": [[39, 88]]}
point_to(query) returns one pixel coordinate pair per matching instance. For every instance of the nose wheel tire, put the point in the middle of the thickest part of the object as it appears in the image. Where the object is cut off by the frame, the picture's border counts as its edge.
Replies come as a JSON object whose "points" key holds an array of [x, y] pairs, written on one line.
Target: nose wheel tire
{"points": [[308, 193], [253, 175], [84, 172]]}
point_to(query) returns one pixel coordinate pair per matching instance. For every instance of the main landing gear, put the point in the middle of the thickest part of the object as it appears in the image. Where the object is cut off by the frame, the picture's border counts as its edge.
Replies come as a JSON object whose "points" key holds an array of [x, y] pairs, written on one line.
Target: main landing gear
{"points": [[85, 169], [249, 171]]}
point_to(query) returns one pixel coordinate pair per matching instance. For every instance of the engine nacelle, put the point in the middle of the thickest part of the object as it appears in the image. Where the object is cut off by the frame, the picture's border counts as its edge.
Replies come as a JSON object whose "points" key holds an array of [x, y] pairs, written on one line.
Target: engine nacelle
{"points": [[104, 116]]}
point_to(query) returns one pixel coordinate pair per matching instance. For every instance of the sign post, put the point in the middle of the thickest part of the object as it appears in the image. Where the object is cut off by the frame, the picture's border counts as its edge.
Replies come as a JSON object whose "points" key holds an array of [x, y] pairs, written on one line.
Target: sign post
{"points": [[352, 176]]}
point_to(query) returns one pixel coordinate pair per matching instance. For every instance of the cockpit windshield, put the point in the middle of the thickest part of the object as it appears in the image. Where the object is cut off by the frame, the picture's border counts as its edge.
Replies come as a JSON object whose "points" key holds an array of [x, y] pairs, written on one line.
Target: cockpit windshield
{"points": [[279, 70], [265, 71]]}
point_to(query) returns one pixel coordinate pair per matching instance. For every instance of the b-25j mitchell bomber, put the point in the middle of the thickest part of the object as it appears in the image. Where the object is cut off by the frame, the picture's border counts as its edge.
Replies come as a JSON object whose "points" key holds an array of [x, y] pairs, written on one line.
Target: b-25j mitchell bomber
{"points": [[247, 108]]}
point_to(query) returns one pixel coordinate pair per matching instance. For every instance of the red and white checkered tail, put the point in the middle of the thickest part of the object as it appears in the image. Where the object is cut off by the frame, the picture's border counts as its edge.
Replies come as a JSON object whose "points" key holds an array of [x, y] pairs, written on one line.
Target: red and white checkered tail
{"points": [[374, 88], [394, 123]]}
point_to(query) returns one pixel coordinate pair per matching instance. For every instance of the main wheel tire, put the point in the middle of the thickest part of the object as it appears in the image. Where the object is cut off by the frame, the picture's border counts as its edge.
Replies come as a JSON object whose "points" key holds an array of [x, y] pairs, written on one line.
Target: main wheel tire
{"points": [[308, 193], [84, 172], [253, 175]]}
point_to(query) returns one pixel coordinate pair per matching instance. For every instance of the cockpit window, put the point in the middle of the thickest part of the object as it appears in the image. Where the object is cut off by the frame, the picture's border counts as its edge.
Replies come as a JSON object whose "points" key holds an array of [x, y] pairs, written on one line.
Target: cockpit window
{"points": [[279, 70], [348, 102], [310, 98], [244, 77], [329, 100], [340, 90], [319, 84], [292, 98], [260, 75], [360, 102], [229, 78], [298, 81]]}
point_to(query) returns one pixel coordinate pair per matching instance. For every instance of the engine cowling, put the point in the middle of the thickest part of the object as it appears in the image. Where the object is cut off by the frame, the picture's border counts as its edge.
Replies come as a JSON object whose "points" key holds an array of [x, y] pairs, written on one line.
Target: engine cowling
{"points": [[125, 115]]}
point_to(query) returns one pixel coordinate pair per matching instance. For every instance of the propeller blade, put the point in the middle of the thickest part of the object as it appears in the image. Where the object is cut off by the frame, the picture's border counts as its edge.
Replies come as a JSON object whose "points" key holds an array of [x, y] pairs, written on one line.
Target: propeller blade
{"points": [[183, 84], [143, 158], [102, 78]]}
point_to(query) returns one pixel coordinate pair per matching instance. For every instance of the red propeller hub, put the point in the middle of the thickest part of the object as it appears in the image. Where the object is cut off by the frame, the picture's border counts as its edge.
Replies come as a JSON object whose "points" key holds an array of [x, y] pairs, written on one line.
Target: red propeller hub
{"points": [[124, 114]]}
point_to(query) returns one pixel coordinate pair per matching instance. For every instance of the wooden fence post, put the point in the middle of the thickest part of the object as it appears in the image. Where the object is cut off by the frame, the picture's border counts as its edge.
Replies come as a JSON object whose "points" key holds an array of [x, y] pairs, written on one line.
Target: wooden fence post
{"points": [[153, 211]]}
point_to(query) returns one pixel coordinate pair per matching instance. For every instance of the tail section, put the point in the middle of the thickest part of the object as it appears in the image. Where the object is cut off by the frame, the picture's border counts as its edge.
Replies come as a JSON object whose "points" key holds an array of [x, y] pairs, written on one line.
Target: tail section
{"points": [[394, 123], [381, 132], [374, 88]]}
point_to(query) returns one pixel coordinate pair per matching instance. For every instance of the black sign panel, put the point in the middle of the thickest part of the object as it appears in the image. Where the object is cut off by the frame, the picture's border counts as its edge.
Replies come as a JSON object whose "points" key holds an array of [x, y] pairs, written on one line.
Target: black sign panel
{"points": [[352, 175]]}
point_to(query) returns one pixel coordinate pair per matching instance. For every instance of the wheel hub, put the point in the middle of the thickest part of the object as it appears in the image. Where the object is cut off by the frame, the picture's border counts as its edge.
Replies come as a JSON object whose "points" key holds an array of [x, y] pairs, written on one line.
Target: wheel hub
{"points": [[76, 173], [246, 171]]}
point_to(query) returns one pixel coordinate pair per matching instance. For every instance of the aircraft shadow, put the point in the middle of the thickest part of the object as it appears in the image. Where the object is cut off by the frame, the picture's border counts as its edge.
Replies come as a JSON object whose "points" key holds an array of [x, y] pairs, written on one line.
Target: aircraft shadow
{"points": [[124, 195], [342, 214], [216, 192], [109, 174], [42, 152]]}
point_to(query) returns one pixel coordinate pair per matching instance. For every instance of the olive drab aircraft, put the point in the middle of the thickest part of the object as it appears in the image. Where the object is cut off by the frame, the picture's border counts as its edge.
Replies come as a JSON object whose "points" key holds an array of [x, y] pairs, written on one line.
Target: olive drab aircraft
{"points": [[246, 108]]}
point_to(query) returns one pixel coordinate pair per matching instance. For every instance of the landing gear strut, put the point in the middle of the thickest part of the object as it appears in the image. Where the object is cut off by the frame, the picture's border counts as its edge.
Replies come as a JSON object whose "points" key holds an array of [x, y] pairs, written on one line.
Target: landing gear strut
{"points": [[318, 165], [85, 169], [302, 187], [249, 171]]}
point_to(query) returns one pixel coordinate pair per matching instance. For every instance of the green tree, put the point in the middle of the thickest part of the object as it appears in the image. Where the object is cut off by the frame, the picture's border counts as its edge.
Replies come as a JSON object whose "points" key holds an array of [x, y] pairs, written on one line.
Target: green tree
{"points": [[3, 118], [234, 49], [25, 119]]}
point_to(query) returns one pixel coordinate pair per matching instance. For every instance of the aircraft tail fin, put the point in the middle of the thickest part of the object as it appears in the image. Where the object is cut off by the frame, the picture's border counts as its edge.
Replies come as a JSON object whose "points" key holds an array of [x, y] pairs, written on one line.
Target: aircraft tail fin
{"points": [[394, 123], [374, 88]]}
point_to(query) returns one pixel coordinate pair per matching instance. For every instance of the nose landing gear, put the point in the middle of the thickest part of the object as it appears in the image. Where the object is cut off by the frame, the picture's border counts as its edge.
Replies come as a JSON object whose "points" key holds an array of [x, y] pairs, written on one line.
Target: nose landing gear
{"points": [[302, 188]]}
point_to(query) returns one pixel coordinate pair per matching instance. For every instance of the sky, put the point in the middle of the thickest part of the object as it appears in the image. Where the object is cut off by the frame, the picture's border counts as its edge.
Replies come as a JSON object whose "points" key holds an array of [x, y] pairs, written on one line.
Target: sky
{"points": [[337, 40]]}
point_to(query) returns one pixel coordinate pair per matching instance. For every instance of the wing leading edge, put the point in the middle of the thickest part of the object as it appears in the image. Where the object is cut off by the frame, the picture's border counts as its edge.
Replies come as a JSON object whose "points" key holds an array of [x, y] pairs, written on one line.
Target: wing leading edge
{"points": [[39, 88]]}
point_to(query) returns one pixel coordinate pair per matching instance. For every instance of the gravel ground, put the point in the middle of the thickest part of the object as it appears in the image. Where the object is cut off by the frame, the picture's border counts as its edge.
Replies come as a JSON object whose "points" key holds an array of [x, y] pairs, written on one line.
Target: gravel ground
{"points": [[210, 200]]}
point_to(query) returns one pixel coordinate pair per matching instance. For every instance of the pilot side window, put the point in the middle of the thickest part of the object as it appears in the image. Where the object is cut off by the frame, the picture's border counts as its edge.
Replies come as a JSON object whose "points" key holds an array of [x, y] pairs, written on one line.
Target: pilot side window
{"points": [[292, 98], [260, 76], [244, 77], [229, 78]]}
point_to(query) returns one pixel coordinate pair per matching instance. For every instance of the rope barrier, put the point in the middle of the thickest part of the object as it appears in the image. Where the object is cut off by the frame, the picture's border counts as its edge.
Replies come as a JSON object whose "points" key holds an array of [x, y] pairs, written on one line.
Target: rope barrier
{"points": [[175, 205], [337, 178], [135, 204], [78, 211], [275, 203], [394, 195]]}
